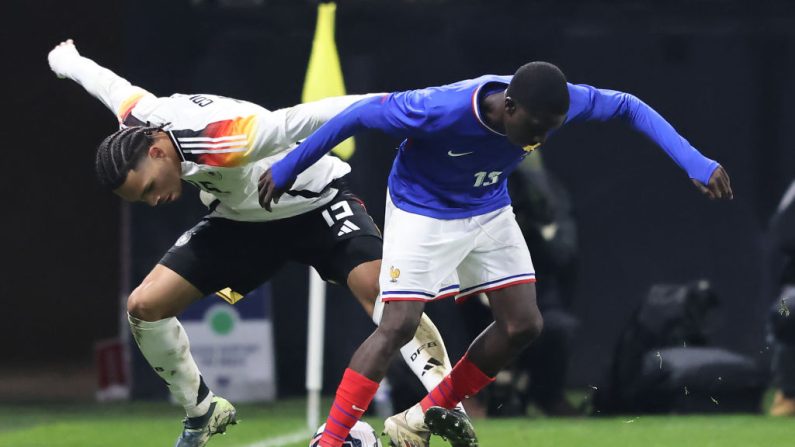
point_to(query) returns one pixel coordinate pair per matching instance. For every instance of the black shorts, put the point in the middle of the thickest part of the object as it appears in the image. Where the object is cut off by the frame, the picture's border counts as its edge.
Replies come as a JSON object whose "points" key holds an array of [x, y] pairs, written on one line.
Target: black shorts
{"points": [[219, 253]]}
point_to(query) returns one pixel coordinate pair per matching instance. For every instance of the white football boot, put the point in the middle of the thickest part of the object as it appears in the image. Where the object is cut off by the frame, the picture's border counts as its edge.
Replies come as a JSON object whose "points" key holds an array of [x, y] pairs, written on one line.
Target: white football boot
{"points": [[198, 430], [407, 429]]}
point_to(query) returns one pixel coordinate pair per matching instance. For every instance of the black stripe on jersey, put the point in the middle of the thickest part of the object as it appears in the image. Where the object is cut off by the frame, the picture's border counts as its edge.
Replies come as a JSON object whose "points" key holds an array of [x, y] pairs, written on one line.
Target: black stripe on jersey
{"points": [[176, 145], [213, 205], [194, 155], [305, 193], [132, 121], [338, 183], [176, 135]]}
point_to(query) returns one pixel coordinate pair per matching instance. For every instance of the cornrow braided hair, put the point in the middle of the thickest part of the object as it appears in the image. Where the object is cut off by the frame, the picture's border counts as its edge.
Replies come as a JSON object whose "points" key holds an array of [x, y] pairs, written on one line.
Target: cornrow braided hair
{"points": [[121, 151]]}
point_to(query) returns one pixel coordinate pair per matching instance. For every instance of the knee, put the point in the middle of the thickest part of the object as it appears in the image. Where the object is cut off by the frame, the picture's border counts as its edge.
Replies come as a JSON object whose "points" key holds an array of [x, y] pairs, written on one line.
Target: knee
{"points": [[399, 333], [366, 293], [372, 289], [143, 307], [370, 292], [522, 332], [363, 281]]}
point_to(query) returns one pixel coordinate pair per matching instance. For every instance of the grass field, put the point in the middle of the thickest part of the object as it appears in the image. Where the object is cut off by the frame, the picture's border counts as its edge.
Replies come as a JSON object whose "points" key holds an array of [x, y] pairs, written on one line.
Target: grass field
{"points": [[149, 424]]}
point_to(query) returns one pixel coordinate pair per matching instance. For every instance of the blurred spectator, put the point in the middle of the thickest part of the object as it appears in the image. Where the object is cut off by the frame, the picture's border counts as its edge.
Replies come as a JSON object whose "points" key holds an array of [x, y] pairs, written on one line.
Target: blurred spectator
{"points": [[782, 320]]}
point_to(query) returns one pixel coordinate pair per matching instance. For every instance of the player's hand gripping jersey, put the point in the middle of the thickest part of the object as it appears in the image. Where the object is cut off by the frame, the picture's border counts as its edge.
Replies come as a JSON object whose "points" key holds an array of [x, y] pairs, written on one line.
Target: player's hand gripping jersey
{"points": [[225, 144], [452, 165]]}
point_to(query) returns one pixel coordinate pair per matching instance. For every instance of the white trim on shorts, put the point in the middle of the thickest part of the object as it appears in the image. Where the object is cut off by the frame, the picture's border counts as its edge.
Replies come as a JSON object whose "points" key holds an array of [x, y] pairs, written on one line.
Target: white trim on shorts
{"points": [[416, 295], [497, 284]]}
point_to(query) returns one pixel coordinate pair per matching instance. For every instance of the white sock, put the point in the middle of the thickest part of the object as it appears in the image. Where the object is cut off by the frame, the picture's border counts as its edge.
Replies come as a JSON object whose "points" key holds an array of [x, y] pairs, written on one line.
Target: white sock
{"points": [[165, 345], [427, 357], [415, 417]]}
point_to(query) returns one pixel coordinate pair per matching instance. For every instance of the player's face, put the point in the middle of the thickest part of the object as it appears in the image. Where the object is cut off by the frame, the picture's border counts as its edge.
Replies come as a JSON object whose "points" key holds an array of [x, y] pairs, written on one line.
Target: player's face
{"points": [[527, 129], [155, 181]]}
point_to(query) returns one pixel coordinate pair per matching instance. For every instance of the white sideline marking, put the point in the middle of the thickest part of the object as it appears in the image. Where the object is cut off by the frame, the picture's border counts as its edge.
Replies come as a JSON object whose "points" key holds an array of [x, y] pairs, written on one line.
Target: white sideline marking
{"points": [[281, 441]]}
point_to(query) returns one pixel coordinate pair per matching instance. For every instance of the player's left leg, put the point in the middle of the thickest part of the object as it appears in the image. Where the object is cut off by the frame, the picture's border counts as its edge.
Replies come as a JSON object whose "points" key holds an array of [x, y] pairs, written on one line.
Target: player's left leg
{"points": [[517, 322], [499, 266]]}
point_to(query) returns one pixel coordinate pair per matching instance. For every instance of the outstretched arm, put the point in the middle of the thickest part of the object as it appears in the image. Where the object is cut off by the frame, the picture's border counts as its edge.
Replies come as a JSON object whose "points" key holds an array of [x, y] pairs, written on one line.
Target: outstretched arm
{"points": [[398, 114], [589, 103], [293, 124], [115, 92]]}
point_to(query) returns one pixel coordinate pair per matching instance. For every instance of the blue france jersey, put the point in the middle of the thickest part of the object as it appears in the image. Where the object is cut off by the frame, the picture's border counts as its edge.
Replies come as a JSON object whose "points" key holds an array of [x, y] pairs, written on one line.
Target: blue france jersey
{"points": [[451, 165], [460, 168]]}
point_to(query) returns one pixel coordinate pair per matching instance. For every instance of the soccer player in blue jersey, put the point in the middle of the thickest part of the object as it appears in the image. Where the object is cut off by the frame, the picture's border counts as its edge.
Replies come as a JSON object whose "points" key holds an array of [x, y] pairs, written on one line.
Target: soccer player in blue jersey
{"points": [[450, 229]]}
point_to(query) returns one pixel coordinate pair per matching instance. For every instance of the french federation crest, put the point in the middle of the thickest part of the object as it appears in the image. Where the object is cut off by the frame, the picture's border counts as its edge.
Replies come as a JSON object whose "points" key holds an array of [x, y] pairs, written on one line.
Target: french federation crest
{"points": [[394, 273]]}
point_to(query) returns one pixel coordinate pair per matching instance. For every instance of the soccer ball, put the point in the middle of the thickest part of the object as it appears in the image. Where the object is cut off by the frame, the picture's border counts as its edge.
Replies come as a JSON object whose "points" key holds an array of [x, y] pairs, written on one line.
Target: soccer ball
{"points": [[361, 435]]}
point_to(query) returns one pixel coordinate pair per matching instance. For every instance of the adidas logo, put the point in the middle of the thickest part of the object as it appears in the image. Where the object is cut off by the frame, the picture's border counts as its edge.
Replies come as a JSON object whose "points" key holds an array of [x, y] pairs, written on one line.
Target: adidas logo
{"points": [[432, 363], [347, 227]]}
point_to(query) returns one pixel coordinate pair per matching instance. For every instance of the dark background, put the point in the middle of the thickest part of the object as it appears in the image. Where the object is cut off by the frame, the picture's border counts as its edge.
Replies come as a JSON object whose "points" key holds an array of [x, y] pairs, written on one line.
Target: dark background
{"points": [[719, 70]]}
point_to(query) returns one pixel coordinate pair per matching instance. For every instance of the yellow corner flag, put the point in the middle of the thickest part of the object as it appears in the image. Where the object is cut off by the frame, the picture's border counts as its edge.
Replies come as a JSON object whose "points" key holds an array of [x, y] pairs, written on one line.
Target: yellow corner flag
{"points": [[324, 74]]}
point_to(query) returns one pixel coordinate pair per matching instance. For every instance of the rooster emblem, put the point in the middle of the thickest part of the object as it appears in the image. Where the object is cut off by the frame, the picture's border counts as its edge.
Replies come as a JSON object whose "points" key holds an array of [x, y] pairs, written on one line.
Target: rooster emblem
{"points": [[394, 273]]}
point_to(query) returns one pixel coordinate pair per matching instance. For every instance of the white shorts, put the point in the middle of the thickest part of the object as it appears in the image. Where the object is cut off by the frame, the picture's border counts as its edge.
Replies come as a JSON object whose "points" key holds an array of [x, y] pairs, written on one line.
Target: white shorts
{"points": [[426, 258]]}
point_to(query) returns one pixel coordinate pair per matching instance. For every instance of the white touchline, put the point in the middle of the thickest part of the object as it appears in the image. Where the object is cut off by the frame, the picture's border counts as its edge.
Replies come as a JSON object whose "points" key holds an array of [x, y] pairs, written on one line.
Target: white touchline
{"points": [[453, 154], [283, 440]]}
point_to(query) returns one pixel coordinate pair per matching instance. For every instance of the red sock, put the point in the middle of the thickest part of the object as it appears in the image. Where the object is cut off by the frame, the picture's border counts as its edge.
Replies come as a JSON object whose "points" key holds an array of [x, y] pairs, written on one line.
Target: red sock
{"points": [[464, 380], [353, 397]]}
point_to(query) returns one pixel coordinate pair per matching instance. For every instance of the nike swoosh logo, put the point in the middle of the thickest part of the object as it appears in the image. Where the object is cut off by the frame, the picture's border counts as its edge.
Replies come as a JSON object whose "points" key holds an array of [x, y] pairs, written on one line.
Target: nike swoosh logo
{"points": [[461, 154], [357, 408]]}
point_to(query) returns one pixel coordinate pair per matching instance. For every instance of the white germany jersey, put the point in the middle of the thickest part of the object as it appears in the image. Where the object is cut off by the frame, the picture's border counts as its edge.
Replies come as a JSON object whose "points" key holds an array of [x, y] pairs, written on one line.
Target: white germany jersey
{"points": [[226, 144]]}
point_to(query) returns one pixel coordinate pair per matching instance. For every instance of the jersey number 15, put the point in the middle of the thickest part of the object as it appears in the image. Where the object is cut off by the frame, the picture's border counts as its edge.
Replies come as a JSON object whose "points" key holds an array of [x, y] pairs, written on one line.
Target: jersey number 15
{"points": [[484, 178]]}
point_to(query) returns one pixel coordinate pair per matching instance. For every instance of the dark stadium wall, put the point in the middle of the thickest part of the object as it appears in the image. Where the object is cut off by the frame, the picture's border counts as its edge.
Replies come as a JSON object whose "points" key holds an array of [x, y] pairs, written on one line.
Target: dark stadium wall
{"points": [[721, 80], [59, 234]]}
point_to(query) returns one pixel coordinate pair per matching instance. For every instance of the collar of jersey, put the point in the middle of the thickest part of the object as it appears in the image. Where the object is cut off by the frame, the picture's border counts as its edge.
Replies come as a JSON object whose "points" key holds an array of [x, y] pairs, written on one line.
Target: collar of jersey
{"points": [[176, 145], [476, 107]]}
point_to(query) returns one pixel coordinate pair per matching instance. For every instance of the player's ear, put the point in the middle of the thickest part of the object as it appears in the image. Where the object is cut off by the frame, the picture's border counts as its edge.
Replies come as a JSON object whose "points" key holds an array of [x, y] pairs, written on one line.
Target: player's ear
{"points": [[510, 105], [156, 152]]}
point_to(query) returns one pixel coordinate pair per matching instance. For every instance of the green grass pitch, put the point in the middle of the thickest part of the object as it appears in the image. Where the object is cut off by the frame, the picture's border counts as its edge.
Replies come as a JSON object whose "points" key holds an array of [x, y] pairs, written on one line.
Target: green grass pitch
{"points": [[156, 424]]}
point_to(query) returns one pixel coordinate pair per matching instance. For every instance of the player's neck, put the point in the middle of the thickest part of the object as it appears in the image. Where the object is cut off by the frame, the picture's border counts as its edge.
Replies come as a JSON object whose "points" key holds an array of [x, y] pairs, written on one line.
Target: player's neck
{"points": [[492, 108]]}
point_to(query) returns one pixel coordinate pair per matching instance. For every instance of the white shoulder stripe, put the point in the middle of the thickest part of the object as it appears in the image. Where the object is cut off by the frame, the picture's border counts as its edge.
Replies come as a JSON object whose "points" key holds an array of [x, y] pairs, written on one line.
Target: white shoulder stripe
{"points": [[214, 151], [213, 140]]}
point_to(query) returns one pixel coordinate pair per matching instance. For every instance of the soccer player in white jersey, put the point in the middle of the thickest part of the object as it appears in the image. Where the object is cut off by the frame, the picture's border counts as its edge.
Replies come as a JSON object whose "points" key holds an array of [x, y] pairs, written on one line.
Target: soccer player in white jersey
{"points": [[222, 146]]}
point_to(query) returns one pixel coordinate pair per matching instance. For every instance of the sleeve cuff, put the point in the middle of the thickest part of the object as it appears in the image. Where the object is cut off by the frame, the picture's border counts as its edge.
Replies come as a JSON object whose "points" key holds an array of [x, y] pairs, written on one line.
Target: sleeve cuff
{"points": [[704, 173], [279, 175]]}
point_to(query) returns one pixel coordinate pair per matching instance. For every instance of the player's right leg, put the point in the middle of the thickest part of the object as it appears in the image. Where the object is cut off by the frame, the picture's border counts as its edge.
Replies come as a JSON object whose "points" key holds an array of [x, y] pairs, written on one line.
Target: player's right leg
{"points": [[367, 368], [213, 255], [425, 354], [152, 308], [151, 311], [419, 254]]}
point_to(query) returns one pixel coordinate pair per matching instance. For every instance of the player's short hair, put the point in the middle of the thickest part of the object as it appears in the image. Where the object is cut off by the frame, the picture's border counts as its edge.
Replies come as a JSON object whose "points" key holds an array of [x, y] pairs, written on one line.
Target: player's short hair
{"points": [[121, 152], [541, 87]]}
